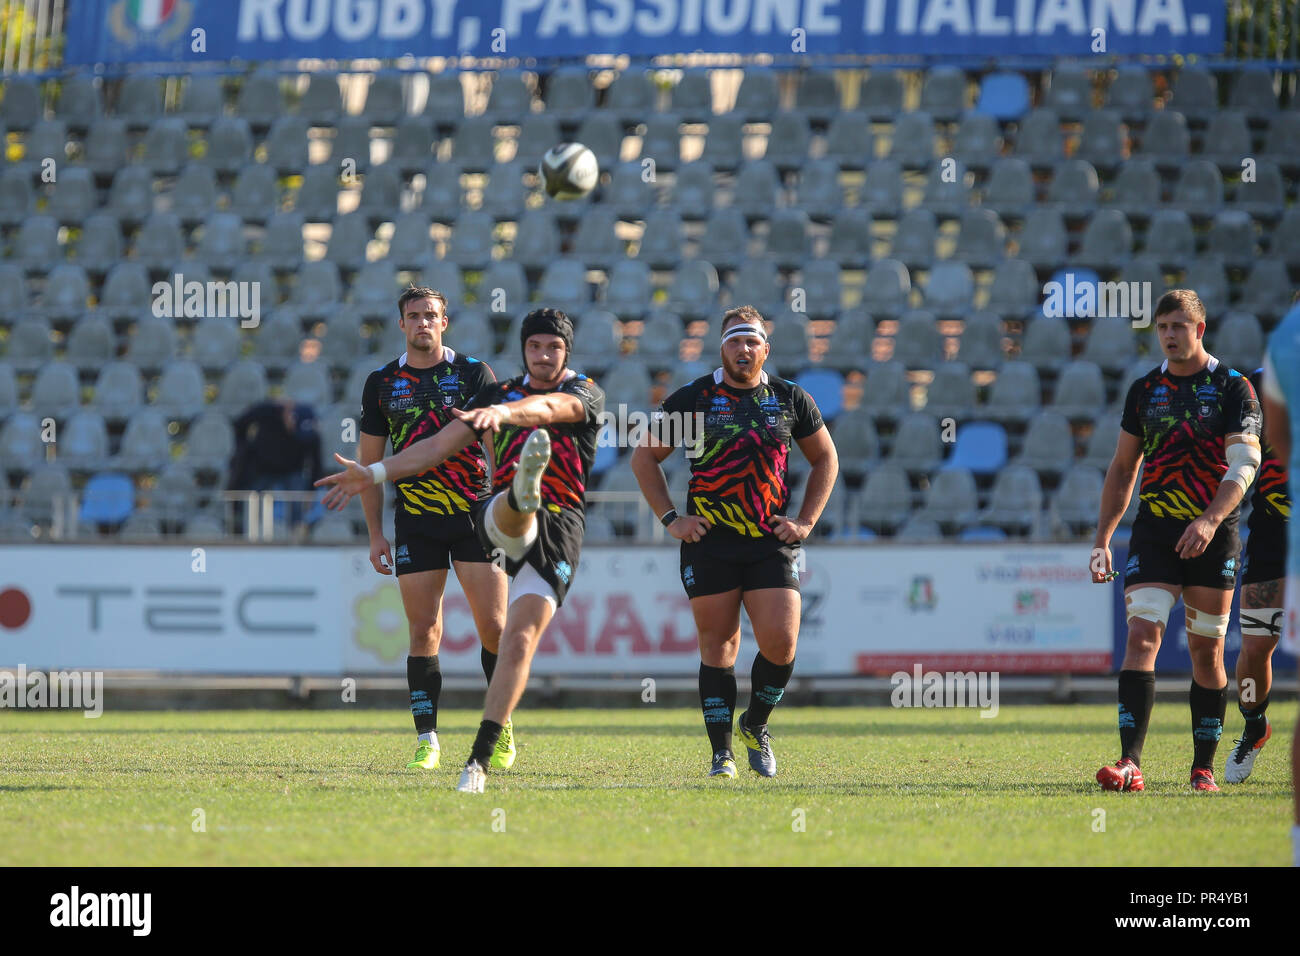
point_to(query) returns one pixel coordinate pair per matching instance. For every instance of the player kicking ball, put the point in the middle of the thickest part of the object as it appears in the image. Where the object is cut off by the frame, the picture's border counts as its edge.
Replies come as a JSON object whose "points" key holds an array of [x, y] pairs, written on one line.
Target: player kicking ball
{"points": [[543, 426], [738, 547], [1196, 424], [1263, 580]]}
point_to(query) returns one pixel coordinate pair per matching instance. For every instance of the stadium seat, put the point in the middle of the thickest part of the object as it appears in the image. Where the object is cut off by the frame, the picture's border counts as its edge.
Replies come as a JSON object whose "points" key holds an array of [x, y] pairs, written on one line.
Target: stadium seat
{"points": [[885, 502], [1195, 95], [14, 302], [662, 141], [914, 239], [322, 102], [105, 150], [787, 144], [1074, 189], [849, 141], [757, 98], [67, 291], [145, 445], [47, 491], [410, 244], [471, 240], [850, 241], [882, 192], [631, 95], [55, 391], [229, 144], [244, 384], [1131, 93], [595, 243], [444, 104], [180, 390], [564, 285], [600, 341], [950, 289], [1009, 191], [820, 281], [826, 388], [282, 244], [536, 239], [817, 96], [628, 293], [603, 135], [1039, 141], [952, 391], [443, 198], [510, 99], [981, 340], [1233, 238], [980, 448], [350, 236], [758, 283], [215, 344], [1282, 142], [1014, 291], [381, 192], [726, 238], [1070, 92], [1016, 394], [943, 92], [503, 288], [1227, 141], [36, 246], [947, 190], [1265, 198], [1170, 241], [917, 446], [1107, 240], [1077, 501], [160, 242], [209, 442], [887, 288], [90, 341], [981, 239], [383, 106], [260, 99], [978, 141], [166, 146], [918, 529], [20, 441], [194, 197], [913, 140], [791, 341], [885, 395], [692, 96], [17, 197], [951, 499], [83, 441], [660, 342], [472, 333], [856, 442], [1238, 341], [317, 291], [629, 384], [100, 246], [1048, 446], [1267, 291], [1043, 240], [819, 194], [1103, 141], [308, 383], [1166, 140], [221, 241], [350, 150], [1136, 189], [175, 493], [30, 345], [504, 196], [693, 292], [1080, 391], [1199, 191], [663, 239], [627, 194], [474, 146], [206, 526], [880, 95], [1015, 502], [20, 108], [788, 238], [1003, 96], [1100, 447], [1112, 344], [756, 189], [74, 198], [8, 398], [202, 99], [413, 145], [152, 343]]}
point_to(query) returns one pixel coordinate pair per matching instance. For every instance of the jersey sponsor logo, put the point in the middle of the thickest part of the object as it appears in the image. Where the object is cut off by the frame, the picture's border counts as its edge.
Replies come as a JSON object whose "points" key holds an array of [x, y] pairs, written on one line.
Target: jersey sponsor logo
{"points": [[564, 571], [1160, 397]]}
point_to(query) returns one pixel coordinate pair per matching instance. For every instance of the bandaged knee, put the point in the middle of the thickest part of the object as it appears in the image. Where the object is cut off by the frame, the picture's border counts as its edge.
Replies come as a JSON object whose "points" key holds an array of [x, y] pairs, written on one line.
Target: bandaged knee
{"points": [[512, 547], [1262, 621], [1206, 624], [1149, 604]]}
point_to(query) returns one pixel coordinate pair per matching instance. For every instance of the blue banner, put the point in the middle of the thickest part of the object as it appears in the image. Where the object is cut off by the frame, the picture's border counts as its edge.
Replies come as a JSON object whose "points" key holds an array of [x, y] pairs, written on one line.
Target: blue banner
{"points": [[167, 31]]}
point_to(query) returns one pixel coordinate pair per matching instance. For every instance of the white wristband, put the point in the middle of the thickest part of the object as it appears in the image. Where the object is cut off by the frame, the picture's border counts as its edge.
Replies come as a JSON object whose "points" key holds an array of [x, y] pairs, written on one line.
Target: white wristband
{"points": [[379, 472]]}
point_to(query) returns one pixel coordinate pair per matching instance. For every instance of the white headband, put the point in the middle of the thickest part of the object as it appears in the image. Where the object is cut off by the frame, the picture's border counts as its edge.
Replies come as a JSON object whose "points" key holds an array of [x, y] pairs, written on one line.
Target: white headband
{"points": [[735, 330]]}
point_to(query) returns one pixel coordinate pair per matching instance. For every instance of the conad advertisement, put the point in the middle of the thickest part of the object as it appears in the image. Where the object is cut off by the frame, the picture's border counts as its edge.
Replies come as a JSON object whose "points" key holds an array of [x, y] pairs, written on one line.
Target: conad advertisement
{"points": [[270, 610]]}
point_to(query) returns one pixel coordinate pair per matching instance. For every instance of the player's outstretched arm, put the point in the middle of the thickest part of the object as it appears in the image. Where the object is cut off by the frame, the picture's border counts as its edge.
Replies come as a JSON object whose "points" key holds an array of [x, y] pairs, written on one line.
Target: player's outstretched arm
{"points": [[529, 412], [1115, 494], [413, 460], [820, 451]]}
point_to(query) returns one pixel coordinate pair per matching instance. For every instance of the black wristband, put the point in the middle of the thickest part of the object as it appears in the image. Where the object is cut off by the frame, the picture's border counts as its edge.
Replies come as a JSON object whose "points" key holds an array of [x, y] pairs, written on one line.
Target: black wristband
{"points": [[668, 517]]}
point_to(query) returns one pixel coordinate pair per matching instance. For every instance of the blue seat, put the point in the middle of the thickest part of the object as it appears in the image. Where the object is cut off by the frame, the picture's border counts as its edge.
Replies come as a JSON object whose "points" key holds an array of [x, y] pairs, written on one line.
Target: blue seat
{"points": [[606, 457], [981, 447], [826, 388], [108, 498], [1004, 96], [989, 533]]}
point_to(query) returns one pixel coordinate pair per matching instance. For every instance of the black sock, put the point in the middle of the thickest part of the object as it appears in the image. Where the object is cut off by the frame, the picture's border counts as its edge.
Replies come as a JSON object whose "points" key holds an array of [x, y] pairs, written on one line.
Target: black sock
{"points": [[424, 680], [718, 701], [1208, 707], [511, 500], [485, 741], [489, 662], [767, 687], [1137, 695], [1255, 715]]}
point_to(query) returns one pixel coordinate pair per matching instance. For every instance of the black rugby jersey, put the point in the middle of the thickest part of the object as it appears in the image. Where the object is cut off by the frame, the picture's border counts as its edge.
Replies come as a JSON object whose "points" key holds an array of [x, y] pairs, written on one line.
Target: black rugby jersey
{"points": [[1270, 498]]}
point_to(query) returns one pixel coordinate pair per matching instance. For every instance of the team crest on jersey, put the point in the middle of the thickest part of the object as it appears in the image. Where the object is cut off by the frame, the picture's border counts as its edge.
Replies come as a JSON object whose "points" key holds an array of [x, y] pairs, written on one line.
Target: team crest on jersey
{"points": [[450, 389], [771, 407]]}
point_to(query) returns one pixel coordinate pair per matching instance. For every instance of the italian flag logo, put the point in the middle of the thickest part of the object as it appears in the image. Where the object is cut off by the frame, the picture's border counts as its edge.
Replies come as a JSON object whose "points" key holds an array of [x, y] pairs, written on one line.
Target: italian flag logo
{"points": [[149, 14]]}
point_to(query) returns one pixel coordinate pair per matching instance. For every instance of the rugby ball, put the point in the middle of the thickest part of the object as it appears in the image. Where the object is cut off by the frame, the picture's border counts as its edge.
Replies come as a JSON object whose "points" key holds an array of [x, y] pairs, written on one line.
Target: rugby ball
{"points": [[569, 171]]}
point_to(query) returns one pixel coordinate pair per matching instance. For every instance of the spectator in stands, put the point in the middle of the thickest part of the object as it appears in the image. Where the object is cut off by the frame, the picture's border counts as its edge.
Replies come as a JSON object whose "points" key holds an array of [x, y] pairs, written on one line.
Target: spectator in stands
{"points": [[277, 448]]}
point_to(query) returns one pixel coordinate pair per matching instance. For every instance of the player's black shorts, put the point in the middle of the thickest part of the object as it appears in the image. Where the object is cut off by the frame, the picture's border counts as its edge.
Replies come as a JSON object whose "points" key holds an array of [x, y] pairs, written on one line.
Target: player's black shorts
{"points": [[554, 555], [716, 570], [1265, 557], [1152, 559], [433, 543]]}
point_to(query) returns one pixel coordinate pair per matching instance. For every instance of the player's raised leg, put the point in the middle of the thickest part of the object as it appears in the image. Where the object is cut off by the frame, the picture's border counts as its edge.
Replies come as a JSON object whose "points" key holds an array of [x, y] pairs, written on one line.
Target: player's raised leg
{"points": [[1261, 625], [422, 600], [486, 589], [774, 614], [1207, 625], [717, 622]]}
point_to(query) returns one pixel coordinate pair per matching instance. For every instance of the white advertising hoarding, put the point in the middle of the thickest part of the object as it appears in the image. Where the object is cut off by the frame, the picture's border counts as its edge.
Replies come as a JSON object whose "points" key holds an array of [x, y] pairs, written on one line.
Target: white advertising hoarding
{"points": [[272, 610]]}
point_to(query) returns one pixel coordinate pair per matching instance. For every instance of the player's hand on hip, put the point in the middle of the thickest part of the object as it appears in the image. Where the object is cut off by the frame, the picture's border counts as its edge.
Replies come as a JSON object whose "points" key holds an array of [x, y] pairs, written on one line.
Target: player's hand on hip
{"points": [[689, 528], [1196, 538], [480, 419], [381, 554], [1100, 563], [788, 531], [344, 484]]}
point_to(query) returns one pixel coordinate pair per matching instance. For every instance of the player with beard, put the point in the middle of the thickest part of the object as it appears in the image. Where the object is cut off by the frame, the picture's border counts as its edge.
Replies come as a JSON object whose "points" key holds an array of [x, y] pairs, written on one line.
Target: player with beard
{"points": [[547, 417], [407, 400], [1263, 578], [739, 547], [1196, 423]]}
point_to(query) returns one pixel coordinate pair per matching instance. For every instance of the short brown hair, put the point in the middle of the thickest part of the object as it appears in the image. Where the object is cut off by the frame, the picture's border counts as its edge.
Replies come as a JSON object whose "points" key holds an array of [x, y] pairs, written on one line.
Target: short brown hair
{"points": [[742, 313], [412, 292], [1181, 300]]}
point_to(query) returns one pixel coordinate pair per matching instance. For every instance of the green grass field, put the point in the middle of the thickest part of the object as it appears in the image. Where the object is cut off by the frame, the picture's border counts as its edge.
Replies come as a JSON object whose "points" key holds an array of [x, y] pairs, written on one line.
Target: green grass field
{"points": [[871, 785]]}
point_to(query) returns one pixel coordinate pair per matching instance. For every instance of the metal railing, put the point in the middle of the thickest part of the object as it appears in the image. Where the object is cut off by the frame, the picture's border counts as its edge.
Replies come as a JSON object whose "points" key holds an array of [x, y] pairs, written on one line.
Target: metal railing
{"points": [[31, 35]]}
